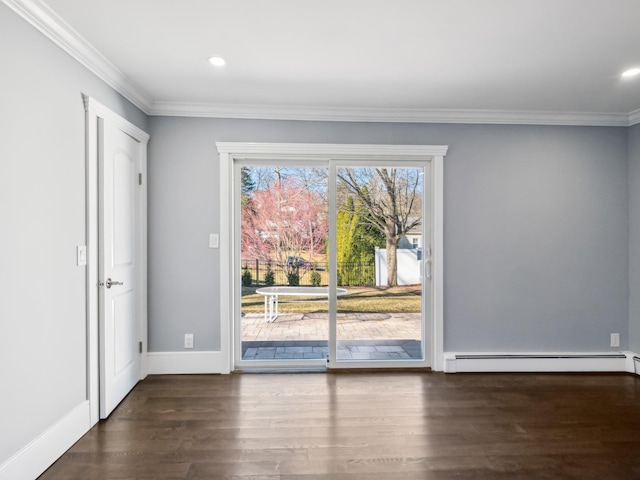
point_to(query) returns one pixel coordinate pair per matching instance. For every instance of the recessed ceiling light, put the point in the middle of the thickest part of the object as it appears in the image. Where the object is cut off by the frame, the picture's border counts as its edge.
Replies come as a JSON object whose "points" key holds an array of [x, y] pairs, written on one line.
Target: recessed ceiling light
{"points": [[217, 61], [632, 72]]}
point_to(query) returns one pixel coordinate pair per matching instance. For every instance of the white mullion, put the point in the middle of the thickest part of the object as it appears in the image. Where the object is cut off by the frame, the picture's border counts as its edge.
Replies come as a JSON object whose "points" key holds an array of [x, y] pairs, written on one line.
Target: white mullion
{"points": [[333, 266]]}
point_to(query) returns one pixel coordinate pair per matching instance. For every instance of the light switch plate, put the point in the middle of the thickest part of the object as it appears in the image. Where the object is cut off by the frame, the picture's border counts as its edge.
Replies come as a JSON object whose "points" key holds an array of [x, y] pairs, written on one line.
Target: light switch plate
{"points": [[214, 240], [81, 255]]}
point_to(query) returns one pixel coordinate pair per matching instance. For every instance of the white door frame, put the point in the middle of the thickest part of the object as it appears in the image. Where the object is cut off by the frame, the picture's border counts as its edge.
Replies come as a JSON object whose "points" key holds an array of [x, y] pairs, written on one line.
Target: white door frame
{"points": [[231, 151], [93, 111]]}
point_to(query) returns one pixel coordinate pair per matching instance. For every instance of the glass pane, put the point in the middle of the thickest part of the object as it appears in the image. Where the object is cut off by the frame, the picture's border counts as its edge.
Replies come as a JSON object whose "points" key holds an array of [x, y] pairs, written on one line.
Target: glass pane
{"points": [[284, 232], [379, 247]]}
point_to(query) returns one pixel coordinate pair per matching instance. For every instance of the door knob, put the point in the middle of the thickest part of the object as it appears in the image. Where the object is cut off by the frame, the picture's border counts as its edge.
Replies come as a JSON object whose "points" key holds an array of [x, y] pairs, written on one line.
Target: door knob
{"points": [[110, 282]]}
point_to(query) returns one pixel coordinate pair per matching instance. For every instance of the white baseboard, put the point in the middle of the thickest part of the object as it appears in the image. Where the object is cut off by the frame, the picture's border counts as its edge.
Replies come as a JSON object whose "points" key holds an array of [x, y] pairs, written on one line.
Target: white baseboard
{"points": [[160, 363], [44, 450], [540, 362]]}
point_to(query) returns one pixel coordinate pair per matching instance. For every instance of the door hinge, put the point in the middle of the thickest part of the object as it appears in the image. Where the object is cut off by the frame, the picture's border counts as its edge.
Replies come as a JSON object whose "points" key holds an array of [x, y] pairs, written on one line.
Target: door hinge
{"points": [[139, 179], [140, 347]]}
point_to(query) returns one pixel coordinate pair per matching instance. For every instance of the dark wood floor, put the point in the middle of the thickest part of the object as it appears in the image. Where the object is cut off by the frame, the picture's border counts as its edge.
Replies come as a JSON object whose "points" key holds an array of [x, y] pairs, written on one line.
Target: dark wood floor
{"points": [[366, 426]]}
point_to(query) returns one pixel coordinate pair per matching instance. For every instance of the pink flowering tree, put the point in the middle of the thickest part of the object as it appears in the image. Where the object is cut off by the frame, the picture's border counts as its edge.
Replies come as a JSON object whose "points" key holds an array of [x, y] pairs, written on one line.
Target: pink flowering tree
{"points": [[285, 221]]}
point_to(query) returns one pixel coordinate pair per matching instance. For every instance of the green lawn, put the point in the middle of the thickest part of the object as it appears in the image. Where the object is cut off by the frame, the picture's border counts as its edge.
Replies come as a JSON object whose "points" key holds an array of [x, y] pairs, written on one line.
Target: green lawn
{"points": [[405, 299]]}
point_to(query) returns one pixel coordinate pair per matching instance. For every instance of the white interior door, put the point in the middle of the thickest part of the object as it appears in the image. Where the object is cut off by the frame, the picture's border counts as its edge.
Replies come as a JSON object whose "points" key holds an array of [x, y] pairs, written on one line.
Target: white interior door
{"points": [[119, 156]]}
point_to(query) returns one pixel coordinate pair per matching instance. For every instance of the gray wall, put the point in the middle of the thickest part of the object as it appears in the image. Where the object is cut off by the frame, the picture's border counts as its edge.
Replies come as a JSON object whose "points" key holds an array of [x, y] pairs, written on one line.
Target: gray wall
{"points": [[634, 239], [42, 212], [535, 229], [536, 243]]}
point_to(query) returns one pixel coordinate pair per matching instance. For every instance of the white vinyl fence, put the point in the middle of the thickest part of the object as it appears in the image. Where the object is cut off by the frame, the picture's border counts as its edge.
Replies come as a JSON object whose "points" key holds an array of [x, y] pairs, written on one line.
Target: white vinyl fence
{"points": [[409, 261]]}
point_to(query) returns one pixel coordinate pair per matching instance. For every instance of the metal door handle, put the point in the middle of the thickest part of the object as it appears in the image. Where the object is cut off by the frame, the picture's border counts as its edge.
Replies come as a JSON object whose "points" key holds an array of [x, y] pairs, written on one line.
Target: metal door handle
{"points": [[110, 282]]}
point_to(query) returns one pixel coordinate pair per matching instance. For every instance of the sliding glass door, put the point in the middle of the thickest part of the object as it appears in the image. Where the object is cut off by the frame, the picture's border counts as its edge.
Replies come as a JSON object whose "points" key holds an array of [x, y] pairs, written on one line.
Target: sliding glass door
{"points": [[281, 264], [381, 232], [331, 263]]}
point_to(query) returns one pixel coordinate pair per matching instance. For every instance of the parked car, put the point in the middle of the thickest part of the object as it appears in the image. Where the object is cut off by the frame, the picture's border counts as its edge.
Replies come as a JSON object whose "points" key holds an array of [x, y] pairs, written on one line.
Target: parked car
{"points": [[294, 261]]}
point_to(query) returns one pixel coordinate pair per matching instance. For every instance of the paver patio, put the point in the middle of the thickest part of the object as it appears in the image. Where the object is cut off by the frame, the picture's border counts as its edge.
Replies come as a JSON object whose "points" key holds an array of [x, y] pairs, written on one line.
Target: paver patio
{"points": [[361, 336], [315, 326]]}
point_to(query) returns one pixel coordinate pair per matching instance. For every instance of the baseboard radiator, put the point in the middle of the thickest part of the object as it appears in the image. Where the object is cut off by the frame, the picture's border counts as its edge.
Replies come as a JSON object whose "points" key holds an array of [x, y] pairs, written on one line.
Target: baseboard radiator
{"points": [[541, 362]]}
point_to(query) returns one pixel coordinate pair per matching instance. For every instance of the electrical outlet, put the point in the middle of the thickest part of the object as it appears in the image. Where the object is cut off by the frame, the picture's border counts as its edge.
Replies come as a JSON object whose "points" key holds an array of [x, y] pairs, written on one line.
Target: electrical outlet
{"points": [[615, 339], [188, 340]]}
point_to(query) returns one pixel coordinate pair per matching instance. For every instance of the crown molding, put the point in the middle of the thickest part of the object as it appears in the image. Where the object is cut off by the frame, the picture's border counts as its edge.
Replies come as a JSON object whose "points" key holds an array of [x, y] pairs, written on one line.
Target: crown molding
{"points": [[38, 14], [62, 34], [397, 115]]}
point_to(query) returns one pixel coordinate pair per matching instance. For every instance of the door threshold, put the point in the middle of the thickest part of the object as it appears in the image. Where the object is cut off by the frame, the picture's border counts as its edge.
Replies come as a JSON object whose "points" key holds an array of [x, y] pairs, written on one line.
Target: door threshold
{"points": [[380, 370], [333, 370], [281, 370]]}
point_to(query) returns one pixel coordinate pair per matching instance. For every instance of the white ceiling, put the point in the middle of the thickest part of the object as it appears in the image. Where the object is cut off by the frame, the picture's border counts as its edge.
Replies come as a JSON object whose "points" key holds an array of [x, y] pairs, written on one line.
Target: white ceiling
{"points": [[383, 59]]}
